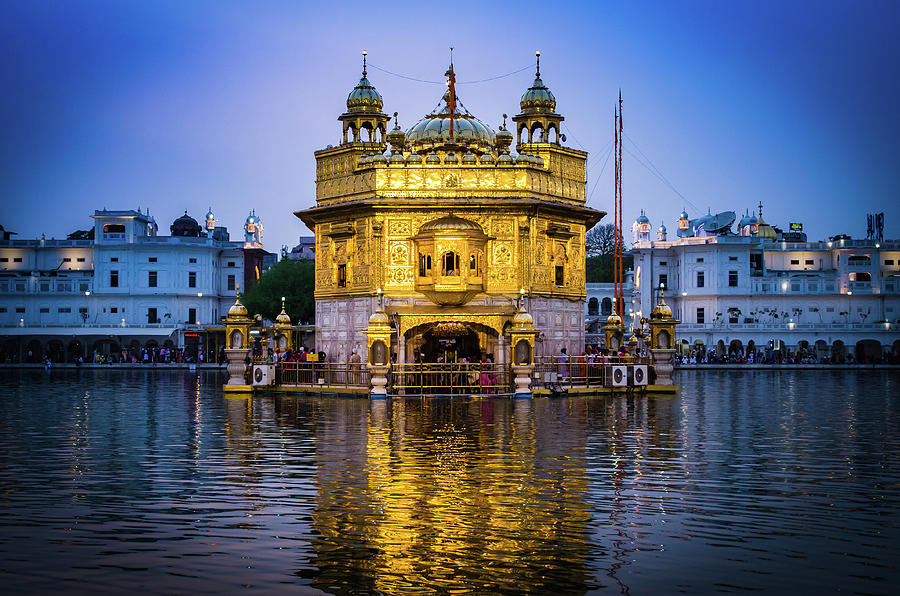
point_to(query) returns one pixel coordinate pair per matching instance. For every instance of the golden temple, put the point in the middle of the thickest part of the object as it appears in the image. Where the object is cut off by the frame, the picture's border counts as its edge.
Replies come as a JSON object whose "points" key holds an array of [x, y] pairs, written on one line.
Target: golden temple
{"points": [[451, 227]]}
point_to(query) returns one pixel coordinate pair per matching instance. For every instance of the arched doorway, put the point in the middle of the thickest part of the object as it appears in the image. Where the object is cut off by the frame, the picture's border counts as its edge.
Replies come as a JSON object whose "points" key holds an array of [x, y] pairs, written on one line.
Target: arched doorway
{"points": [[838, 352], [593, 307], [735, 348], [74, 350], [451, 341], [11, 351], [34, 352], [868, 351], [821, 350], [56, 351], [606, 307], [751, 349]]}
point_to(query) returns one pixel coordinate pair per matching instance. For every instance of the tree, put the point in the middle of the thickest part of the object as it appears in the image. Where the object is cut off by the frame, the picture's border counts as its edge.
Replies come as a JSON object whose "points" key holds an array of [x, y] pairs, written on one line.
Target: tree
{"points": [[600, 240], [295, 280], [599, 244], [81, 235]]}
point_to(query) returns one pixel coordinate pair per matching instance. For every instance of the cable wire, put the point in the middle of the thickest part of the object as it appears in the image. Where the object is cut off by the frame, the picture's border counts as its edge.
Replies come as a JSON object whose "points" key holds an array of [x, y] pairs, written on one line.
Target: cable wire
{"points": [[655, 171], [418, 80]]}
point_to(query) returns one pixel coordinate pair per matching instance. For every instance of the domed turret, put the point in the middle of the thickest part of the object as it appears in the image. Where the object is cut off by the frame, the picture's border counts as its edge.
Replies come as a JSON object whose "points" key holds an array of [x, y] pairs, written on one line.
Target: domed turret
{"points": [[363, 113], [397, 138], [433, 131], [210, 221], [613, 318], [764, 230], [364, 97], [661, 232], [538, 113], [185, 226], [253, 230], [661, 310], [503, 139], [283, 319], [238, 310]]}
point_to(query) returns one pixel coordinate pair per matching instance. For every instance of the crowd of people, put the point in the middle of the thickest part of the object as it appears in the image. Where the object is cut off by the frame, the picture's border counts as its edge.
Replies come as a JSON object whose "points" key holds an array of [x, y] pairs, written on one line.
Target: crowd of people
{"points": [[770, 356]]}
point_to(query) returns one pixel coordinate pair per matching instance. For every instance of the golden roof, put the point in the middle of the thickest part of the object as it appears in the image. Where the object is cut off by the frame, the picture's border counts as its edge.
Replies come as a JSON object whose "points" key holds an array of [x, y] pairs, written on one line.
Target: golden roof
{"points": [[283, 318], [661, 310], [237, 309]]}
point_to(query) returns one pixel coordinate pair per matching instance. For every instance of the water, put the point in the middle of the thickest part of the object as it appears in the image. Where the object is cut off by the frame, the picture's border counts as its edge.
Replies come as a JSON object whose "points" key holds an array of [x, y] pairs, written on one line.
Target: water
{"points": [[156, 481]]}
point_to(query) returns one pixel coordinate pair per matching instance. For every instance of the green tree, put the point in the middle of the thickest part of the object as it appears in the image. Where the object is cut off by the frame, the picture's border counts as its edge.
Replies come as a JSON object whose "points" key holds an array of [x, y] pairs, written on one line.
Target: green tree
{"points": [[295, 280], [81, 235], [599, 244]]}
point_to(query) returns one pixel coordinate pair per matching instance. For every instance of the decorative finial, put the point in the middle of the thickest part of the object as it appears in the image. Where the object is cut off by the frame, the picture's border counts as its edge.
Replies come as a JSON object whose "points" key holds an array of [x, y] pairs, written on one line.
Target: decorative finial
{"points": [[504, 121], [537, 74], [396, 122], [451, 57], [365, 53], [760, 209]]}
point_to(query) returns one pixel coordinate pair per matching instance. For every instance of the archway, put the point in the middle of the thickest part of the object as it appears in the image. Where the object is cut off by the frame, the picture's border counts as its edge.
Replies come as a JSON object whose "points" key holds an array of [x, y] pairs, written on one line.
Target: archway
{"points": [[720, 347], [868, 351], [821, 350], [56, 350], [736, 348], [751, 348], [11, 351], [34, 352], [606, 307], [684, 348], [593, 307], [838, 352], [74, 350], [451, 341]]}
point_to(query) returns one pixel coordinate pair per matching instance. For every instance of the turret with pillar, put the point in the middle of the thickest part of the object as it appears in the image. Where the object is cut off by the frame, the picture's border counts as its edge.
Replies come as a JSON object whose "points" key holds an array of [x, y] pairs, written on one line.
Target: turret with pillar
{"points": [[662, 341], [378, 338], [283, 330], [614, 331], [237, 344], [522, 336]]}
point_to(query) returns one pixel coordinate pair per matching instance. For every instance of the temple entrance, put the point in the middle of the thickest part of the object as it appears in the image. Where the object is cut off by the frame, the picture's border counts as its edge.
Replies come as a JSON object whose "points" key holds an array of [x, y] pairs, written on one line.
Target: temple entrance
{"points": [[451, 342]]}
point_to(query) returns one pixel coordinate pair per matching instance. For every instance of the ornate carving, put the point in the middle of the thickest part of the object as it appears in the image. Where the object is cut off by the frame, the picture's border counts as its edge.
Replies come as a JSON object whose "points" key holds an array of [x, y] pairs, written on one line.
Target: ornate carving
{"points": [[502, 228], [451, 181], [399, 254], [502, 254], [398, 227]]}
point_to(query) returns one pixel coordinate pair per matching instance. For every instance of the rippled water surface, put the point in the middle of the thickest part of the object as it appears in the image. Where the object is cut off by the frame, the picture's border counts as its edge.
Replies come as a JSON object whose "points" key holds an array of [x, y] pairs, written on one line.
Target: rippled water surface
{"points": [[156, 481]]}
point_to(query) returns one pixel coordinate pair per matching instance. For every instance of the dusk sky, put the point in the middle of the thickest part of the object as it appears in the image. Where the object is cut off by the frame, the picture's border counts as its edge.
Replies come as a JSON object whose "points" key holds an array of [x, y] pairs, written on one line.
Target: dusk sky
{"points": [[185, 105]]}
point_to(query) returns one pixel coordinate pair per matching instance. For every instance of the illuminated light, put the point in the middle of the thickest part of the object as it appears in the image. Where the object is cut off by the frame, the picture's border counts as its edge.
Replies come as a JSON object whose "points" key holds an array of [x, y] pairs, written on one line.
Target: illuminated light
{"points": [[87, 293], [199, 294]]}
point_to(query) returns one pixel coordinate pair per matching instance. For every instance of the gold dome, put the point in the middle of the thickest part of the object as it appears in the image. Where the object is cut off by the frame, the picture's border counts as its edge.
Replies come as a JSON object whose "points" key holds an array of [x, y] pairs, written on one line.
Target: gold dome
{"points": [[661, 310], [364, 97], [523, 318], [538, 99], [613, 319], [283, 318], [764, 230], [237, 309], [379, 319]]}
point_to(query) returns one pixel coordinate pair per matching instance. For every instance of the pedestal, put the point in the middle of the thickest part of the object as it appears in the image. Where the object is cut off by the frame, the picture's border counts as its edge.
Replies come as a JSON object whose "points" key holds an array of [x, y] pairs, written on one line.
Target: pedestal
{"points": [[237, 365], [379, 381], [663, 365], [522, 379]]}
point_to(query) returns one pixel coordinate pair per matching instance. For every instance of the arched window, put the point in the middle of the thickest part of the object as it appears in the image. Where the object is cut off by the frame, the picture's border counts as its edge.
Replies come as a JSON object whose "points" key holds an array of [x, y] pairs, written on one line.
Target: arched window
{"points": [[593, 306], [450, 263], [606, 307], [424, 265]]}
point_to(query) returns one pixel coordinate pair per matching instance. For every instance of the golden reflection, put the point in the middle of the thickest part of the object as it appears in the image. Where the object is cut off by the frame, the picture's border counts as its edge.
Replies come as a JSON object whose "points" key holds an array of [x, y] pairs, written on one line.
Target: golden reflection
{"points": [[439, 489]]}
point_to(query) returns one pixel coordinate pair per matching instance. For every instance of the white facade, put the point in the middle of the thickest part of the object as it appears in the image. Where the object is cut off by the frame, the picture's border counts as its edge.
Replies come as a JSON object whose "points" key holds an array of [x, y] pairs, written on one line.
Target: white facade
{"points": [[730, 290], [127, 285]]}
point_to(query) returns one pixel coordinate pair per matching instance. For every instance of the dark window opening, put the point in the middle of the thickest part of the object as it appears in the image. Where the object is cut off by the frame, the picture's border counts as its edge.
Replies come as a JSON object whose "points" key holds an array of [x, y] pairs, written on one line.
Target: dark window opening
{"points": [[700, 279], [701, 315], [663, 280], [732, 279], [151, 279], [114, 279], [192, 316], [231, 282], [192, 279], [342, 276], [151, 316], [560, 275], [450, 263]]}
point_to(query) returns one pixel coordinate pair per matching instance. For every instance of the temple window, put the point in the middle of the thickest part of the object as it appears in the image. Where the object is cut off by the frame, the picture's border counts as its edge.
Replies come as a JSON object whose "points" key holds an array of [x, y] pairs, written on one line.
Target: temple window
{"points": [[475, 264], [560, 275], [424, 265], [342, 276], [450, 264]]}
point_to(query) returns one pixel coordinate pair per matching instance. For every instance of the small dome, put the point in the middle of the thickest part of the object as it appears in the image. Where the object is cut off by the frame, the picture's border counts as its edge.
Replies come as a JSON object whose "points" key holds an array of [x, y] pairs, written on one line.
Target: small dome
{"points": [[661, 310], [504, 138], [364, 160], [378, 158], [237, 309], [469, 158], [283, 318], [451, 158], [451, 223], [487, 159], [209, 215], [505, 158], [523, 318], [662, 228], [364, 97], [379, 319], [683, 215], [613, 319], [414, 158], [538, 99], [434, 130], [253, 218], [185, 226], [396, 137], [433, 158], [642, 219]]}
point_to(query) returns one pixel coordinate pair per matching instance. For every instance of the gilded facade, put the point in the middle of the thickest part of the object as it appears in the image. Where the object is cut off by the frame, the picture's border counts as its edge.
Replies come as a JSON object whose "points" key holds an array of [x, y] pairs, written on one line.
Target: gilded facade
{"points": [[451, 226]]}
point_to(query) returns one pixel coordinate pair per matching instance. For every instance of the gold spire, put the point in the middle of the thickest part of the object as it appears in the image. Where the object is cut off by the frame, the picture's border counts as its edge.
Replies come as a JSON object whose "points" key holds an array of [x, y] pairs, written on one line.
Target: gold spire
{"points": [[282, 318], [237, 309]]}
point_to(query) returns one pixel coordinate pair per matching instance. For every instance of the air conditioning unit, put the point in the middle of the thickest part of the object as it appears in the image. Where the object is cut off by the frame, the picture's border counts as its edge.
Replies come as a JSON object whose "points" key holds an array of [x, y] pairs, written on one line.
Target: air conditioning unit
{"points": [[617, 376], [263, 374], [638, 375]]}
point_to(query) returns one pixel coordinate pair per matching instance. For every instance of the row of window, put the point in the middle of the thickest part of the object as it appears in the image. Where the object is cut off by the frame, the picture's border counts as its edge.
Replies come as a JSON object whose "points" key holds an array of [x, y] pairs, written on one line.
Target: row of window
{"points": [[701, 279], [153, 279], [6, 259], [154, 260], [46, 309], [46, 286]]}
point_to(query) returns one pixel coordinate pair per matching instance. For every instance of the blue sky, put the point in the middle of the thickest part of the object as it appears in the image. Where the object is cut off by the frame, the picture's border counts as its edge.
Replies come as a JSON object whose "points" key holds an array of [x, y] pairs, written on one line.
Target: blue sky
{"points": [[186, 105]]}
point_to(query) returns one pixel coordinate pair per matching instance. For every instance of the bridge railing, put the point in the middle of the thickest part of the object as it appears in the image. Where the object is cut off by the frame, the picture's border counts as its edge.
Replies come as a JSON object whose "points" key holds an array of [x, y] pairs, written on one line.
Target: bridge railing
{"points": [[449, 378], [329, 374], [578, 371]]}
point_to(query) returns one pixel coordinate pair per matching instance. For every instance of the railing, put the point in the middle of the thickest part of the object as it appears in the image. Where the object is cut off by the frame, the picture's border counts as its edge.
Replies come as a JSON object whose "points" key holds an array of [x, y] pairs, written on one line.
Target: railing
{"points": [[331, 374], [783, 326], [437, 378], [555, 372]]}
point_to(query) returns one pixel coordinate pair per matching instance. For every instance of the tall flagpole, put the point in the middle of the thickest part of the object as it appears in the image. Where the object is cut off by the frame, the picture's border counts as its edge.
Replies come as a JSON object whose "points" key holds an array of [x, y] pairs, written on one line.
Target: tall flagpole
{"points": [[616, 212], [621, 220]]}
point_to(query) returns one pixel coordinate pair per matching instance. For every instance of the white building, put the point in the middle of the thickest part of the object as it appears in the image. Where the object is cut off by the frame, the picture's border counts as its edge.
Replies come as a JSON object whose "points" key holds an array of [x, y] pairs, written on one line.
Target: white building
{"points": [[127, 287], [733, 291]]}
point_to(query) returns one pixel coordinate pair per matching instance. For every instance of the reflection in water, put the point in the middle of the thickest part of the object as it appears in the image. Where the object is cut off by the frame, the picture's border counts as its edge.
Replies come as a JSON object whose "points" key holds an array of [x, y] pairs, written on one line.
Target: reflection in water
{"points": [[119, 480]]}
